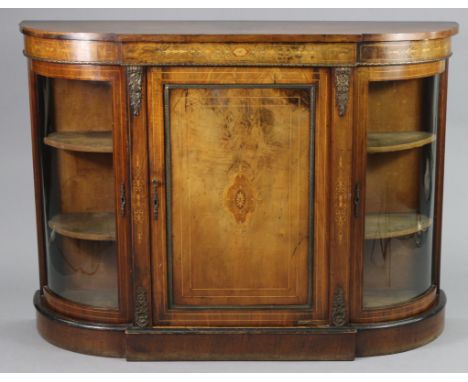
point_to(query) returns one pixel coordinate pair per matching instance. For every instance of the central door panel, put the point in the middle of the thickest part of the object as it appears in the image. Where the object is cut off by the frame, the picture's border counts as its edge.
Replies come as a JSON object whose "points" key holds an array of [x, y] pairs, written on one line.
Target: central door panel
{"points": [[238, 169], [233, 164]]}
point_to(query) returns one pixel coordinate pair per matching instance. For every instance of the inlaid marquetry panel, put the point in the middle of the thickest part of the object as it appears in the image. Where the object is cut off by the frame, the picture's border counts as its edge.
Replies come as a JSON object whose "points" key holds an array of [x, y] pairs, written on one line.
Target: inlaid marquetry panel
{"points": [[72, 51], [239, 54], [401, 52], [238, 171]]}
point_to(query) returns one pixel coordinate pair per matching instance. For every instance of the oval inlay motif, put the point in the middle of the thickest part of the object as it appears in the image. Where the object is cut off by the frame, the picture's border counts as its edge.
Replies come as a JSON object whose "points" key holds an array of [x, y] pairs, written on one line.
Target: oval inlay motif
{"points": [[239, 52], [240, 198]]}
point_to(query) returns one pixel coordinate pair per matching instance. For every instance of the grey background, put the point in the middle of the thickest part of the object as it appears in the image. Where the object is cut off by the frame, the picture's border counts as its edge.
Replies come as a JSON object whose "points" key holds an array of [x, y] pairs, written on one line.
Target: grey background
{"points": [[22, 349]]}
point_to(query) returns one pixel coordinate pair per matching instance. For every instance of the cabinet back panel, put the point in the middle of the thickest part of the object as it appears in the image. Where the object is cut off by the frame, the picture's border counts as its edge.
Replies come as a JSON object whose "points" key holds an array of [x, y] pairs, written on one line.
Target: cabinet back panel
{"points": [[394, 106], [82, 105], [85, 181]]}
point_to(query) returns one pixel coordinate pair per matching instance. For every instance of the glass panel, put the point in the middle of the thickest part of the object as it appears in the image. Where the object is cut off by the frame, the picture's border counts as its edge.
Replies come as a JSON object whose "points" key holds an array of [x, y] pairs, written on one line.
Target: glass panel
{"points": [[402, 123], [239, 190], [78, 181]]}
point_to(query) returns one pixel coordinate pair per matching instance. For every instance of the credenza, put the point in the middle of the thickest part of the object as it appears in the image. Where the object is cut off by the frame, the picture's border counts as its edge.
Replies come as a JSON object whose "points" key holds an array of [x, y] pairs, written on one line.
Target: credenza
{"points": [[238, 190]]}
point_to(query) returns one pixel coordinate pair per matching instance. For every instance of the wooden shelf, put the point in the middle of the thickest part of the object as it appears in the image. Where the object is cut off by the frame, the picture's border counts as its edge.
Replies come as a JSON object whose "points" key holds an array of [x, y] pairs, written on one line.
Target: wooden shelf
{"points": [[397, 141], [388, 297], [101, 298], [384, 226], [94, 142], [98, 226]]}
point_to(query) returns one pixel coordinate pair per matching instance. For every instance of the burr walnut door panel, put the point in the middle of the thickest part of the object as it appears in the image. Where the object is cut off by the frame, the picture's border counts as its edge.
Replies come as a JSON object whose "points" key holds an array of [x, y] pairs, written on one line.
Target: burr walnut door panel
{"points": [[233, 158]]}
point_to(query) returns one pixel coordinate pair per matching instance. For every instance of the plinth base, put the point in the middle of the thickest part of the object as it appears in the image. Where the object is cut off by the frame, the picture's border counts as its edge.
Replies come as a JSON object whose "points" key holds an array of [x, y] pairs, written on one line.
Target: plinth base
{"points": [[301, 343]]}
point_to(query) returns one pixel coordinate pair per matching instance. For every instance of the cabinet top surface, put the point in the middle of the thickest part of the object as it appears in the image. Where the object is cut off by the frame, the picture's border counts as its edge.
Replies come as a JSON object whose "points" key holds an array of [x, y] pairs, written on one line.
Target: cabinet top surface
{"points": [[239, 31]]}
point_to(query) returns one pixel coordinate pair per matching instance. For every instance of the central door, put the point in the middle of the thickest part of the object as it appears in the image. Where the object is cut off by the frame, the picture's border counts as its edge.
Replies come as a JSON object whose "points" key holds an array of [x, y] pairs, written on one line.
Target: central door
{"points": [[233, 155]]}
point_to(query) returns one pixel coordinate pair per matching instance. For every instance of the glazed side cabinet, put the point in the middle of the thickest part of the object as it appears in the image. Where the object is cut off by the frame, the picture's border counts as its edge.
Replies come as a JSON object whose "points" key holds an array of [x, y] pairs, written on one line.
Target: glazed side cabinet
{"points": [[238, 190]]}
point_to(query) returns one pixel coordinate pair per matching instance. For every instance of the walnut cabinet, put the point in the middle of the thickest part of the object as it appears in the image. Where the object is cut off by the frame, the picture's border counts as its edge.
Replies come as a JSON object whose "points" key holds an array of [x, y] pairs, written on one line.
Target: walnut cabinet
{"points": [[238, 190]]}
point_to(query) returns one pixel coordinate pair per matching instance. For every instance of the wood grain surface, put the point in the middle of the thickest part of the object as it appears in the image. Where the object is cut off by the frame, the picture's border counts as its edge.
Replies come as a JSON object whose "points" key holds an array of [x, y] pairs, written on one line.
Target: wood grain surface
{"points": [[240, 164]]}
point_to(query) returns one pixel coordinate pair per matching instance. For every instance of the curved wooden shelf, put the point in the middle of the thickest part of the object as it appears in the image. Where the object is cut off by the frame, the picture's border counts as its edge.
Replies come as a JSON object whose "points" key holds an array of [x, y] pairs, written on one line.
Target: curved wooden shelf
{"points": [[106, 299], [385, 298], [93, 142], [97, 226], [384, 226], [397, 141]]}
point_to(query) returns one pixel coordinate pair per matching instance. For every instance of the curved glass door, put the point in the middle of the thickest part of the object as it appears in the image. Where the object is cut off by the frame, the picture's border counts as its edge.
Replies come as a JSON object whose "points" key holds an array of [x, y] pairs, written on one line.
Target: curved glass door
{"points": [[78, 190], [401, 156]]}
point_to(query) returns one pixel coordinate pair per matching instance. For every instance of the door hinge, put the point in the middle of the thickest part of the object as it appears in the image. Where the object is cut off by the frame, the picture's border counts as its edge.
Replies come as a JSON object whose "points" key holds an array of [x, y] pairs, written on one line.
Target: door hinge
{"points": [[357, 199], [155, 183], [123, 199]]}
